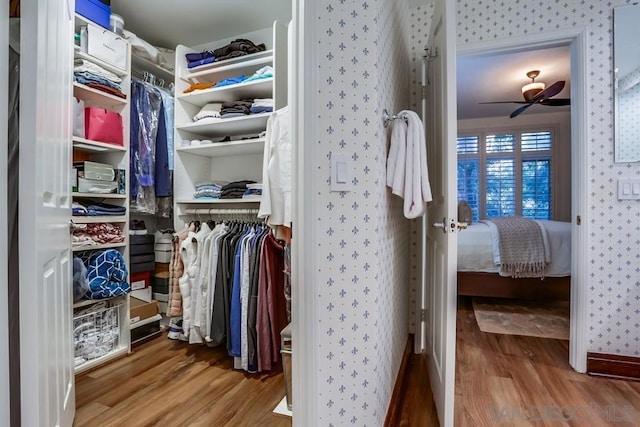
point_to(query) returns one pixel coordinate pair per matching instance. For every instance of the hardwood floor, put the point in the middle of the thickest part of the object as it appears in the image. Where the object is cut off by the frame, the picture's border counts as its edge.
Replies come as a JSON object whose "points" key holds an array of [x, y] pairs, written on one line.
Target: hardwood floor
{"points": [[500, 380], [171, 383], [526, 381]]}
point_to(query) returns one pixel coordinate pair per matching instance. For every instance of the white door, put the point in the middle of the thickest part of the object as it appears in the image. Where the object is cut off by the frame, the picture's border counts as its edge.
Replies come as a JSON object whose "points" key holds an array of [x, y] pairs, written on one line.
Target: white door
{"points": [[4, 321], [46, 352], [439, 297]]}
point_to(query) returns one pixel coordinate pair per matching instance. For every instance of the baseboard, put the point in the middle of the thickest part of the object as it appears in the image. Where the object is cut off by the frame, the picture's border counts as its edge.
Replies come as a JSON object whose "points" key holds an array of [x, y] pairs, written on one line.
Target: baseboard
{"points": [[400, 388], [613, 366]]}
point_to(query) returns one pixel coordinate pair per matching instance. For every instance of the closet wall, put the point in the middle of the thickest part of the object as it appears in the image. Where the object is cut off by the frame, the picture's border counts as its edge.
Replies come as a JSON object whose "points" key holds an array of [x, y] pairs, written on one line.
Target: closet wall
{"points": [[361, 236], [611, 276]]}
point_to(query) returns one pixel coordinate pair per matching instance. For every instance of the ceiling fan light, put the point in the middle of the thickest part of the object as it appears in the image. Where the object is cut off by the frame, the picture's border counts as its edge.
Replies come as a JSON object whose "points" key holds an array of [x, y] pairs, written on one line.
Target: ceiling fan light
{"points": [[530, 90]]}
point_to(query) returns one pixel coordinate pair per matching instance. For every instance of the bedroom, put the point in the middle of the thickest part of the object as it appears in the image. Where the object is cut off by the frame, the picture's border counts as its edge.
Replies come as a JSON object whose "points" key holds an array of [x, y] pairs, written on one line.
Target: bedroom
{"points": [[517, 166]]}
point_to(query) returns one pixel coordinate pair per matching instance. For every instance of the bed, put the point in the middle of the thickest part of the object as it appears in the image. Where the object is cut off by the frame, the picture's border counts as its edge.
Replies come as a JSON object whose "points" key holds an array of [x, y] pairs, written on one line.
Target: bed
{"points": [[479, 273]]}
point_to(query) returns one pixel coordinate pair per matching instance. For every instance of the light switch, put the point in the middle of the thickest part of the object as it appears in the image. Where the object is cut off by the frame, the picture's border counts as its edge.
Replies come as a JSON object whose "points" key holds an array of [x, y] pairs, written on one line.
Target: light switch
{"points": [[340, 173], [629, 189]]}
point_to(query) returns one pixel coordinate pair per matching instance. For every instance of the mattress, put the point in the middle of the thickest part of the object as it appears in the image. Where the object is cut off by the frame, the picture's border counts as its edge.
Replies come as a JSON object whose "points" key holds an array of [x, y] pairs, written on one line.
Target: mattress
{"points": [[479, 251]]}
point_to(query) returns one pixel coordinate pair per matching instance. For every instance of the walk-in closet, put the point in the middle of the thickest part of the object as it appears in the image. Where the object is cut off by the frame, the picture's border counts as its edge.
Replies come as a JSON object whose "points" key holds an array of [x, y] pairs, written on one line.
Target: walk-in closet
{"points": [[180, 168]]}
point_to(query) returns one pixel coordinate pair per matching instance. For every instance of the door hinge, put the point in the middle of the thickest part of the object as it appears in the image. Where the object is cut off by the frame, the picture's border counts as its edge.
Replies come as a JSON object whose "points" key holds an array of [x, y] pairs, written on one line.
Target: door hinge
{"points": [[423, 315], [578, 220]]}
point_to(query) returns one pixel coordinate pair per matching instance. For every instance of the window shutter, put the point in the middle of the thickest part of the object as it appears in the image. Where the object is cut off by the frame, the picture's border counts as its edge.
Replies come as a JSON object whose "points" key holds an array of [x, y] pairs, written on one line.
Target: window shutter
{"points": [[468, 183], [536, 141], [536, 189], [500, 194], [500, 143]]}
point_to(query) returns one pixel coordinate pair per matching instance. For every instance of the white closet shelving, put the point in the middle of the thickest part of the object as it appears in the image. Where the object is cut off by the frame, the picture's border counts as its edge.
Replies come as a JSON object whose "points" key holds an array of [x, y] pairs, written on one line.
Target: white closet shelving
{"points": [[118, 157], [234, 159]]}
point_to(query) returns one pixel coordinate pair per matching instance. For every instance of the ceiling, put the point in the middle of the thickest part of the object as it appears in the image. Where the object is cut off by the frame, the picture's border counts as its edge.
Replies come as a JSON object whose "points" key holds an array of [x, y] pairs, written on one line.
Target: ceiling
{"points": [[500, 77], [167, 23]]}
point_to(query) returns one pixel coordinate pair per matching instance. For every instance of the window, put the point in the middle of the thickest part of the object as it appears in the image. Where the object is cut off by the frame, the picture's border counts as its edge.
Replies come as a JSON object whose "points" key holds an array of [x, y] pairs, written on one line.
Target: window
{"points": [[506, 173]]}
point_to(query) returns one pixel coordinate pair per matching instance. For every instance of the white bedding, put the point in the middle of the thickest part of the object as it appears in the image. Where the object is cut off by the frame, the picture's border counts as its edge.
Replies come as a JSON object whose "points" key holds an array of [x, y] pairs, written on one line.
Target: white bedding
{"points": [[478, 251]]}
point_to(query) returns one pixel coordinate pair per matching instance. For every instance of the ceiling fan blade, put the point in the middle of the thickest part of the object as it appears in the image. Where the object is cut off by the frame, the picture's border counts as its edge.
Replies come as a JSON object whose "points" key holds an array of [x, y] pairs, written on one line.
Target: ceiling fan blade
{"points": [[505, 102], [549, 92], [519, 111], [556, 102]]}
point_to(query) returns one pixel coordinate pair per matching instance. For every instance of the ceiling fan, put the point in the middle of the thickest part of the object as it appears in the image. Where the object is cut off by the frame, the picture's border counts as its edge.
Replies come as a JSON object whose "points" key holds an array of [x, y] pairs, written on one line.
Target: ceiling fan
{"points": [[536, 93]]}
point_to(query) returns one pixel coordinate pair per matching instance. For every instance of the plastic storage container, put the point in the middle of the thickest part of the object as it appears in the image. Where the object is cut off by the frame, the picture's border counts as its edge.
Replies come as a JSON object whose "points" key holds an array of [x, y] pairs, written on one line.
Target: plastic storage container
{"points": [[117, 24]]}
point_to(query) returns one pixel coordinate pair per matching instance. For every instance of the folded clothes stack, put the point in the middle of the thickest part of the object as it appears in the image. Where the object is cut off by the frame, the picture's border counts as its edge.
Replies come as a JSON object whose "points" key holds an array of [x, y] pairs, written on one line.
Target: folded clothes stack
{"points": [[235, 190], [196, 59], [253, 191], [265, 72], [236, 48], [98, 209], [236, 108], [262, 105], [211, 190], [231, 81], [208, 111], [93, 75], [97, 234]]}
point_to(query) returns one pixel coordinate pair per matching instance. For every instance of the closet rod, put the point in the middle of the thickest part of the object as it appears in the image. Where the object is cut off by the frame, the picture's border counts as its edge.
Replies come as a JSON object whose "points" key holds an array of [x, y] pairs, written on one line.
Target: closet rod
{"points": [[216, 211]]}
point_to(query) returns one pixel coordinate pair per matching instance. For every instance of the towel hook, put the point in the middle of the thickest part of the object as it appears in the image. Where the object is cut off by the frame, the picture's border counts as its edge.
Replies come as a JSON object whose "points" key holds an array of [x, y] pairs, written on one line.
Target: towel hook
{"points": [[388, 118]]}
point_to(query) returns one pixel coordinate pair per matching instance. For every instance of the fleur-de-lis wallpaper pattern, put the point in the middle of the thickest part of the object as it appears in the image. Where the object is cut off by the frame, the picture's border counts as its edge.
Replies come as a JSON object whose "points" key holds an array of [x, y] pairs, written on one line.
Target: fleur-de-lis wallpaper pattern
{"points": [[613, 254], [362, 249], [367, 63]]}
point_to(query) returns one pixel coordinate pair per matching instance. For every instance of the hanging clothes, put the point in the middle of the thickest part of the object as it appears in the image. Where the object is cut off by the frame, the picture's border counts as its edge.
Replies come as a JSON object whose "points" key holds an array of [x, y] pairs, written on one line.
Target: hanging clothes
{"points": [[232, 289]]}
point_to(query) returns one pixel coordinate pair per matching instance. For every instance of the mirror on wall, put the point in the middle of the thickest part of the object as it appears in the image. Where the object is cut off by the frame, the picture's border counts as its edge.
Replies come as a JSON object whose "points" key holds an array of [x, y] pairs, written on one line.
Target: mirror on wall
{"points": [[626, 55]]}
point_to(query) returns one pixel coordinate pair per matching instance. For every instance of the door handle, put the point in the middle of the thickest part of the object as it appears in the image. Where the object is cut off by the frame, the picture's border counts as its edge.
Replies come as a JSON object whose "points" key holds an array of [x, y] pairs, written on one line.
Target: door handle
{"points": [[441, 225]]}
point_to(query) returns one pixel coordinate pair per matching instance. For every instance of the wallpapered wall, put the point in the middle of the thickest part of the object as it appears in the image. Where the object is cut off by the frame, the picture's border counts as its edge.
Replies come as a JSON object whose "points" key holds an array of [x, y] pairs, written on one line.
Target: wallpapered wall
{"points": [[362, 255], [613, 226]]}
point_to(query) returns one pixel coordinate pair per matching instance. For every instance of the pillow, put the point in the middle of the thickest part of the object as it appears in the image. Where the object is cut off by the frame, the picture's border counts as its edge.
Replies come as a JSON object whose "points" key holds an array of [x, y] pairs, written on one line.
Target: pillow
{"points": [[465, 214]]}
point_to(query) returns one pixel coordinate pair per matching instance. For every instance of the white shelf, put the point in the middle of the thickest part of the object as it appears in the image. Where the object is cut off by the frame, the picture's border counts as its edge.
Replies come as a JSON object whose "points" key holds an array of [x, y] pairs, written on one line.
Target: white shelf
{"points": [[98, 247], [78, 54], [252, 123], [96, 146], [241, 64], [253, 89], [96, 219], [99, 195], [96, 96], [146, 321], [221, 149], [88, 302], [142, 64], [217, 201], [120, 351]]}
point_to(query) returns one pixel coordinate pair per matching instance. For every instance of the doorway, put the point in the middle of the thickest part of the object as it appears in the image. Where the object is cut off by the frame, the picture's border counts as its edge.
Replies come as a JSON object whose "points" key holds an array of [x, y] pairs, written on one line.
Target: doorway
{"points": [[575, 41]]}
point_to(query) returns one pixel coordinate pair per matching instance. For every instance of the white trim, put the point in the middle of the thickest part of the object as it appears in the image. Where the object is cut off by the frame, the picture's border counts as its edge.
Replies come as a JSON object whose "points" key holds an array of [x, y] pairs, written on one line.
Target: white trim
{"points": [[304, 128], [4, 295], [579, 206], [577, 39]]}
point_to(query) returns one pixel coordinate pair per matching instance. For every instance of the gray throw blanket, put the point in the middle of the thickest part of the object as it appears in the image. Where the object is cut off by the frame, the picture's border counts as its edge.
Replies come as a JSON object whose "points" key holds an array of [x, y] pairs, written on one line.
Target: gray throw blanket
{"points": [[521, 247]]}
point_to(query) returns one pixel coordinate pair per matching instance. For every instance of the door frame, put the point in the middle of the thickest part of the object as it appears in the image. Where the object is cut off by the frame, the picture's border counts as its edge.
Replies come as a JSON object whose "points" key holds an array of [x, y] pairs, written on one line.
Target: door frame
{"points": [[577, 39], [4, 285], [304, 86]]}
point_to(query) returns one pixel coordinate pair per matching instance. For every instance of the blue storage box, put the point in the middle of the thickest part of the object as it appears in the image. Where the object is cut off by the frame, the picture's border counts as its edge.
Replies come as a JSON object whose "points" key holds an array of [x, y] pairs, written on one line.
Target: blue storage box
{"points": [[94, 10]]}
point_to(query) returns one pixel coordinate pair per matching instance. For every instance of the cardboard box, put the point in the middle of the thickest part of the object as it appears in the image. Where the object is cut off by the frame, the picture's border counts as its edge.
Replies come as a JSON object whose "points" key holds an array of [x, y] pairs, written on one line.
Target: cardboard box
{"points": [[145, 294], [140, 310]]}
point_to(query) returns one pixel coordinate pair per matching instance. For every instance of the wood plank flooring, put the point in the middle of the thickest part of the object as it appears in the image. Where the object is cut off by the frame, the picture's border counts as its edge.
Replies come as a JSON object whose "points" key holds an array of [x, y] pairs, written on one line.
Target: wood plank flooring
{"points": [[527, 381], [171, 383], [501, 380]]}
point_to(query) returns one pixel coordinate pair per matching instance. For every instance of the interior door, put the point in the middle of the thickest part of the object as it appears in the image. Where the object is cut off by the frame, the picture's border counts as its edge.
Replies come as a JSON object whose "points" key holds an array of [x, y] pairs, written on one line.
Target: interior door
{"points": [[4, 296], [46, 352], [439, 297]]}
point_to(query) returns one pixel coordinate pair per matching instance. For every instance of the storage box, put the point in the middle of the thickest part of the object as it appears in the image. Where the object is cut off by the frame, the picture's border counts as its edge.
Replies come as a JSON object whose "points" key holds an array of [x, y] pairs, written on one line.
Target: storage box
{"points": [[144, 294], [95, 326], [106, 45], [95, 171], [94, 11], [139, 259], [140, 310], [161, 267], [99, 187], [160, 282], [143, 332], [163, 256], [139, 267], [142, 239], [140, 280], [103, 126], [145, 249]]}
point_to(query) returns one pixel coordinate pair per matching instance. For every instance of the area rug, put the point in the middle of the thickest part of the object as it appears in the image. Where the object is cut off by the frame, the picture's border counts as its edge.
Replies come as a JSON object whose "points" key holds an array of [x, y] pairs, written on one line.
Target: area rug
{"points": [[516, 317]]}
